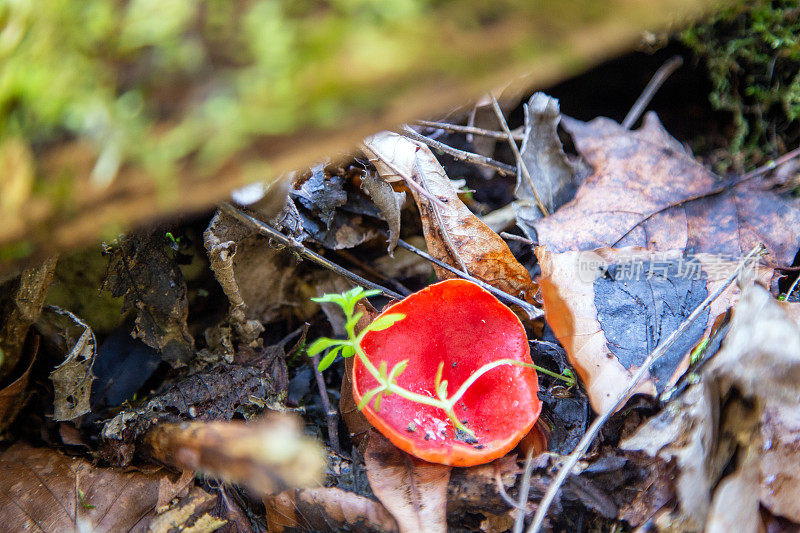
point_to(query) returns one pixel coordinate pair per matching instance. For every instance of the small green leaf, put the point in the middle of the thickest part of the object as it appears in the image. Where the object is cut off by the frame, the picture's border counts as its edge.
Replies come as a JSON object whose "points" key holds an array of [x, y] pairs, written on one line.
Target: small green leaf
{"points": [[370, 293], [442, 390], [329, 298], [321, 344], [377, 404], [348, 350], [385, 321], [353, 320], [397, 370], [438, 378], [367, 397], [382, 370], [329, 358]]}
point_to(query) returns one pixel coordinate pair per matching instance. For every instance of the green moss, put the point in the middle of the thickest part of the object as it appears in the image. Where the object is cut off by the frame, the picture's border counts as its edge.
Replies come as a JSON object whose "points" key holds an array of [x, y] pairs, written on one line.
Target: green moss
{"points": [[752, 51]]}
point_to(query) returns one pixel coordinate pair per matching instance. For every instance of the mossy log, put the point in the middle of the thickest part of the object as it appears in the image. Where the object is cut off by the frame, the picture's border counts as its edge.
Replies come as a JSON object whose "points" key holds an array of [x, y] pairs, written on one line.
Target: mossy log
{"points": [[114, 113]]}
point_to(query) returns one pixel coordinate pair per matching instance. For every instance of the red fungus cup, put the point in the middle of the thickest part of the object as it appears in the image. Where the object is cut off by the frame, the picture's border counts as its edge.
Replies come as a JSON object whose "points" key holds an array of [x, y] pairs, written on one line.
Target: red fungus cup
{"points": [[458, 323]]}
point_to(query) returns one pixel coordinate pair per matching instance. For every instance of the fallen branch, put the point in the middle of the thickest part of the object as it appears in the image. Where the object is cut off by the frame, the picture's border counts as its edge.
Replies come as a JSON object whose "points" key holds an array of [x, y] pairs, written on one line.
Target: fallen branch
{"points": [[467, 130], [532, 311], [268, 456], [573, 458], [461, 155]]}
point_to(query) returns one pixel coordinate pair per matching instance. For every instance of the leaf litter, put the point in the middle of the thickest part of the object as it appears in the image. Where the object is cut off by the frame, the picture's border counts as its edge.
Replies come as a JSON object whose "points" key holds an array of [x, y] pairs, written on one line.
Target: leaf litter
{"points": [[726, 438]]}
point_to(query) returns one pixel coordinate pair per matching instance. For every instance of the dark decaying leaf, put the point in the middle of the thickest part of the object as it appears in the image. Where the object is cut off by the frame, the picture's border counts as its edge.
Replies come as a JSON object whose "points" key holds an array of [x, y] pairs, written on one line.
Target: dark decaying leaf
{"points": [[555, 177], [21, 301], [142, 271], [616, 484], [216, 393], [330, 211], [388, 201], [414, 491], [453, 233], [637, 174], [72, 379], [44, 490], [326, 509], [611, 307]]}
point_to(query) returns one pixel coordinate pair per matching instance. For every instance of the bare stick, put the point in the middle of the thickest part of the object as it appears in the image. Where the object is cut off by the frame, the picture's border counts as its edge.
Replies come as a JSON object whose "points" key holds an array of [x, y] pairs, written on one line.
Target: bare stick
{"points": [[524, 489], [402, 289], [652, 88], [468, 130], [512, 237], [302, 251], [523, 169], [501, 490], [533, 312], [411, 183], [573, 458], [461, 155], [331, 416], [763, 169]]}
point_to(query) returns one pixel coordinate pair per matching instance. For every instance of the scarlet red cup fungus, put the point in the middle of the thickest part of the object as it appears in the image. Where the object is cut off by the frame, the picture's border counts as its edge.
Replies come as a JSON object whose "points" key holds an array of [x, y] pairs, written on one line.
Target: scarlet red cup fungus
{"points": [[465, 327]]}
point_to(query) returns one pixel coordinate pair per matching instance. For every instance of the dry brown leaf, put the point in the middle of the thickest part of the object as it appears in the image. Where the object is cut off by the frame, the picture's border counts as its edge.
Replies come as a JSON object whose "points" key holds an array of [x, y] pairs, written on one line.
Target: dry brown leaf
{"points": [[326, 509], [414, 491], [637, 174], [453, 233], [46, 490], [611, 316]]}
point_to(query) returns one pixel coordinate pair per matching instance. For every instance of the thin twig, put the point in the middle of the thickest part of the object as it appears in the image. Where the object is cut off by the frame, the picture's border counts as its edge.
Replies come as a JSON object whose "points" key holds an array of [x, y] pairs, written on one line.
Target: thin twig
{"points": [[411, 183], [461, 155], [524, 490], [533, 312], [331, 416], [523, 169], [652, 88], [763, 169], [573, 458], [402, 289], [468, 130], [302, 251], [501, 490], [511, 237]]}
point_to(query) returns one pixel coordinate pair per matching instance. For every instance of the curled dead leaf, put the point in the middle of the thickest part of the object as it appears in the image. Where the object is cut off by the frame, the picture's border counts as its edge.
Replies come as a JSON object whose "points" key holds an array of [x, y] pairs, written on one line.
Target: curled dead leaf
{"points": [[453, 233]]}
